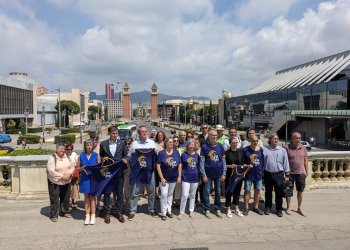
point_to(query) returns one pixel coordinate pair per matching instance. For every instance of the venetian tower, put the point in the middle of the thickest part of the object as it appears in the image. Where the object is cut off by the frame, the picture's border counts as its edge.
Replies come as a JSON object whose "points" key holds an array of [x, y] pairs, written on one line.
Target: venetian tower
{"points": [[154, 102], [126, 102]]}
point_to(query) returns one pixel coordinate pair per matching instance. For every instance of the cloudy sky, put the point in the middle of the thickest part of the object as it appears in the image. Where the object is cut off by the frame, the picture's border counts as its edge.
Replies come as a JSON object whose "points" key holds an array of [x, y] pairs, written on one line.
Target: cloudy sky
{"points": [[187, 47]]}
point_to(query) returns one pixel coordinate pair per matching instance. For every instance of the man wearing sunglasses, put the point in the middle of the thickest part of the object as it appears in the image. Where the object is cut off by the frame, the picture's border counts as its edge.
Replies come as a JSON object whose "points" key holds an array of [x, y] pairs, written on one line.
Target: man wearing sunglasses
{"points": [[204, 137]]}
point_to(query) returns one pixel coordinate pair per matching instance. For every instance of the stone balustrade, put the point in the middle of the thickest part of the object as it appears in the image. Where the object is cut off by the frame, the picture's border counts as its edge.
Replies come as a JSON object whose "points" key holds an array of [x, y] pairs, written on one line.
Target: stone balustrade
{"points": [[329, 170], [28, 177]]}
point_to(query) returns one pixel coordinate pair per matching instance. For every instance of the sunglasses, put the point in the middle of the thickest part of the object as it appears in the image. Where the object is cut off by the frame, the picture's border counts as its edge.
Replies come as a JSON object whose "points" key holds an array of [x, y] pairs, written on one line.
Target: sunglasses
{"points": [[204, 127], [176, 140], [255, 141]]}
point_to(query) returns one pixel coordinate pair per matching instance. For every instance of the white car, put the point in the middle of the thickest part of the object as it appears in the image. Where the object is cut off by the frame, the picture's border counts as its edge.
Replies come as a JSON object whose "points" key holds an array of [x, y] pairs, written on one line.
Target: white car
{"points": [[307, 145]]}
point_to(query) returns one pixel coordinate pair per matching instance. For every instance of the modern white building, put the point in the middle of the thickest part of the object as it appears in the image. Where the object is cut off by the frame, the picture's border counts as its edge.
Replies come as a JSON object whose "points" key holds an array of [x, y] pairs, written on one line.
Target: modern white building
{"points": [[114, 109]]}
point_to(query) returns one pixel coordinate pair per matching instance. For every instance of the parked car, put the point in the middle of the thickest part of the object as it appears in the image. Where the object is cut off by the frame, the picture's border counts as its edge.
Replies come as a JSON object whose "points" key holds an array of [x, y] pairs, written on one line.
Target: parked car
{"points": [[5, 138], [5, 150], [307, 145]]}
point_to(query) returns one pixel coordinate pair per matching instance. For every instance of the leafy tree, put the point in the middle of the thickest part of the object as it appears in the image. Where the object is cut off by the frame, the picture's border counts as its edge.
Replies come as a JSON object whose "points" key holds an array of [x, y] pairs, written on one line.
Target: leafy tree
{"points": [[106, 113], [11, 124], [93, 110], [71, 107]]}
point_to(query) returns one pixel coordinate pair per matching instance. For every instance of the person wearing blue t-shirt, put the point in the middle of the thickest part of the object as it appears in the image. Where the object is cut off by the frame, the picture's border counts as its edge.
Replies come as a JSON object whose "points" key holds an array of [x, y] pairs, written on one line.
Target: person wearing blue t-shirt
{"points": [[169, 168], [255, 158], [190, 177], [212, 168]]}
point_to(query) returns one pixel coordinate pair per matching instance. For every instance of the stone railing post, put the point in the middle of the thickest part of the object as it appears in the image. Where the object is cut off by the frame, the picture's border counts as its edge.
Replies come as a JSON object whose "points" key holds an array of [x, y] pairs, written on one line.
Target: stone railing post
{"points": [[347, 170], [325, 172], [341, 172], [333, 171], [318, 173]]}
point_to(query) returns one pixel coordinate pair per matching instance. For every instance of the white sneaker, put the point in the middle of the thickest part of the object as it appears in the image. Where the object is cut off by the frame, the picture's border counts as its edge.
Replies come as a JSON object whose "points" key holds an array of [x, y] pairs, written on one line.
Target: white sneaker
{"points": [[87, 219], [238, 213], [93, 219], [229, 213]]}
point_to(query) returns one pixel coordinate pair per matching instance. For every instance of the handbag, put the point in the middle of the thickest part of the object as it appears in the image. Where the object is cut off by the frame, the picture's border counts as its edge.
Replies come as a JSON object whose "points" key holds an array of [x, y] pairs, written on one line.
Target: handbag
{"points": [[287, 188], [75, 175]]}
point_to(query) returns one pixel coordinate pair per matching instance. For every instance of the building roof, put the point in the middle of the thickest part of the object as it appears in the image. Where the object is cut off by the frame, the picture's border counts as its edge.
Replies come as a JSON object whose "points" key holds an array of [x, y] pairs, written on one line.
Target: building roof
{"points": [[154, 86], [126, 86], [314, 72]]}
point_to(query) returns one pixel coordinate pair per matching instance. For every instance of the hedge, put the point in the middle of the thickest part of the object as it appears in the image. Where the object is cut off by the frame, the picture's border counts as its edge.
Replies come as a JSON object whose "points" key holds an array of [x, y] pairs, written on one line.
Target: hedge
{"points": [[13, 130], [31, 139], [65, 138], [35, 130], [65, 131], [31, 151]]}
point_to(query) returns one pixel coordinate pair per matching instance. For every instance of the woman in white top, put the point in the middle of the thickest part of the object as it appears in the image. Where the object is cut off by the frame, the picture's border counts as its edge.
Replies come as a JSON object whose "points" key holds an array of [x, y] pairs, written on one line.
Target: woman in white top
{"points": [[73, 157]]}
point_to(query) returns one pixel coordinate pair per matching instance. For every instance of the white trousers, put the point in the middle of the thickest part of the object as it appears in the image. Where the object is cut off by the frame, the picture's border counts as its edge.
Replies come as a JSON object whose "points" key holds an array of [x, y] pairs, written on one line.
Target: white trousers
{"points": [[166, 197], [188, 191]]}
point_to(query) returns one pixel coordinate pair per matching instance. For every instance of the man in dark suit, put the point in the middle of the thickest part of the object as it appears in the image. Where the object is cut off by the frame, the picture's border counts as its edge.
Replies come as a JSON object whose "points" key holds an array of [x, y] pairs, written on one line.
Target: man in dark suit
{"points": [[115, 149]]}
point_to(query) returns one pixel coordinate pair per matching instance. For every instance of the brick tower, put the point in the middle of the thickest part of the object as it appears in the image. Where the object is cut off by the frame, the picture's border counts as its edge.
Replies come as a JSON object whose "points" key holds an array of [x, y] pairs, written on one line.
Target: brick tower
{"points": [[154, 102], [126, 102]]}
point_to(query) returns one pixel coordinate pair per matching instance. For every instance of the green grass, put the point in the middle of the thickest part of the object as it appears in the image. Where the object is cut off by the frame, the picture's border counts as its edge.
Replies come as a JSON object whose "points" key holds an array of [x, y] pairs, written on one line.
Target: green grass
{"points": [[31, 151]]}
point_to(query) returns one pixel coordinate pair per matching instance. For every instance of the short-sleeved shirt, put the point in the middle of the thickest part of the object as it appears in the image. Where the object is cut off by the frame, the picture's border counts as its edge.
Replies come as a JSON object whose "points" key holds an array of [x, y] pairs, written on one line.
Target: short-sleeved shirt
{"points": [[213, 160], [296, 158], [169, 165], [190, 167], [256, 158]]}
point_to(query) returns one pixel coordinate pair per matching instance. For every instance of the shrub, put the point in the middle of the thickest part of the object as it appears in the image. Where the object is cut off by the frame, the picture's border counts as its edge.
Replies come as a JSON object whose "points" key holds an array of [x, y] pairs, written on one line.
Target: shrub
{"points": [[31, 151], [11, 124], [35, 130], [65, 131], [13, 130], [65, 138], [31, 139]]}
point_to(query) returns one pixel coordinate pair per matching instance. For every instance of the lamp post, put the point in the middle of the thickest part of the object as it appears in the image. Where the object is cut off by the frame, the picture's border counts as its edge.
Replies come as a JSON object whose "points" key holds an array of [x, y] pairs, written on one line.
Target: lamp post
{"points": [[81, 133], [26, 114], [251, 112], [287, 111], [64, 112], [43, 121], [59, 111]]}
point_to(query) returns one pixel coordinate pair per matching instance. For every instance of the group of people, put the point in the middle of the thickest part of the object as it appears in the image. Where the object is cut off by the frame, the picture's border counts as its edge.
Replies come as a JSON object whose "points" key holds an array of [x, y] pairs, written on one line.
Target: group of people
{"points": [[179, 169]]}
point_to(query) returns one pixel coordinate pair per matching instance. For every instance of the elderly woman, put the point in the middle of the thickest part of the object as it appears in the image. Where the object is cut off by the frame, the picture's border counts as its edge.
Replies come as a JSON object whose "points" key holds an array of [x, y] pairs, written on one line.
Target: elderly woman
{"points": [[73, 157], [169, 169], [190, 177], [88, 157], [59, 173]]}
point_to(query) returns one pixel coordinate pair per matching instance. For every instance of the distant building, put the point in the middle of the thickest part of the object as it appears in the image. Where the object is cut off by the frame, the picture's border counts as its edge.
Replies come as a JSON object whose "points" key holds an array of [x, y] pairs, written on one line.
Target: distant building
{"points": [[109, 90], [114, 109], [154, 102], [313, 98]]}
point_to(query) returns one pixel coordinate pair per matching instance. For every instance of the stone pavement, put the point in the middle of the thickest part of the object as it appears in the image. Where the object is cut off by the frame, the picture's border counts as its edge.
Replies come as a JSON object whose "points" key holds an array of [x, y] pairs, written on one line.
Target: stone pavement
{"points": [[25, 225]]}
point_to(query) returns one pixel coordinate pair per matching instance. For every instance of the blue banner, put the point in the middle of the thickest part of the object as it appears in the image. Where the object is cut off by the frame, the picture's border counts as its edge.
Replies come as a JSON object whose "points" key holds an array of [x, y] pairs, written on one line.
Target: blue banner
{"points": [[104, 176], [236, 178]]}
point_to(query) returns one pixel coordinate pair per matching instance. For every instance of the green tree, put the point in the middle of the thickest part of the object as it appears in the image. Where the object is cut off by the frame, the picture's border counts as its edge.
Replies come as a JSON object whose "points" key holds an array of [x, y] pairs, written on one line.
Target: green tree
{"points": [[71, 108], [93, 110], [106, 113], [11, 124]]}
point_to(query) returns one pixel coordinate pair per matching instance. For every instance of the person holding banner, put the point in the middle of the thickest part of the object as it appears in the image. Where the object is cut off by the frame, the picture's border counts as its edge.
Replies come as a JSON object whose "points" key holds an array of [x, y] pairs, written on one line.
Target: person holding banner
{"points": [[212, 168], [143, 161], [169, 168], [190, 177], [88, 157], [234, 161], [254, 157], [116, 150]]}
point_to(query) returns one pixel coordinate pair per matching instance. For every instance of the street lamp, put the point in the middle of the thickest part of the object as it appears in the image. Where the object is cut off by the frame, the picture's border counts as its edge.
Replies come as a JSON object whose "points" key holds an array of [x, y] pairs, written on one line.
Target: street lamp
{"points": [[43, 121], [26, 114], [59, 111], [287, 111], [81, 133], [64, 113], [251, 112]]}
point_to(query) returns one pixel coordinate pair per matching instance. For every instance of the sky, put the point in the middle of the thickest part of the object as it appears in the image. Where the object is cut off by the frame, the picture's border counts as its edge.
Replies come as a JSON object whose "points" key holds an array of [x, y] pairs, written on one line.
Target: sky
{"points": [[186, 47]]}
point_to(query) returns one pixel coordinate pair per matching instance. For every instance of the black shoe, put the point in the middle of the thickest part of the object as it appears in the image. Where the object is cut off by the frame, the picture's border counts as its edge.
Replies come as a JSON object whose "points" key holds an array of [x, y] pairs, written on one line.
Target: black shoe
{"points": [[258, 211], [131, 217], [279, 213], [267, 211], [245, 211], [153, 214]]}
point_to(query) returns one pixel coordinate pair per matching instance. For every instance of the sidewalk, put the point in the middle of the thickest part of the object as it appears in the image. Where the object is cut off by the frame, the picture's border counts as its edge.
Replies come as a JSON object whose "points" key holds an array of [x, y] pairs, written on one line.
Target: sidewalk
{"points": [[25, 225]]}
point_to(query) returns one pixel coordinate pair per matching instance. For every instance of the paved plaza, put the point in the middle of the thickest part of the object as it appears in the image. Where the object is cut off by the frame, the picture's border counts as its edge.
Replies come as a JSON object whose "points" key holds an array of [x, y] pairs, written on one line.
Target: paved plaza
{"points": [[25, 225]]}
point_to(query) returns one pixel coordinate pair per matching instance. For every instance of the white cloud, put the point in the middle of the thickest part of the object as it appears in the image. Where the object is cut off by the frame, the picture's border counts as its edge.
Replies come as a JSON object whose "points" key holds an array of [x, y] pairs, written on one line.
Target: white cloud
{"points": [[182, 45], [262, 10]]}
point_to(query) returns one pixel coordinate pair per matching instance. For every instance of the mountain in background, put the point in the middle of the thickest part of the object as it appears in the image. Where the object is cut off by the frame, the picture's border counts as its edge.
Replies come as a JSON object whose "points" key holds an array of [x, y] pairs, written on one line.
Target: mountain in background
{"points": [[144, 97]]}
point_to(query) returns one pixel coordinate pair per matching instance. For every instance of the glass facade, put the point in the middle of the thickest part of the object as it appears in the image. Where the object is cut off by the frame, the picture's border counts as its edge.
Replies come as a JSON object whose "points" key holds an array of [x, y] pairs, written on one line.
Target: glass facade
{"points": [[14, 100], [325, 96]]}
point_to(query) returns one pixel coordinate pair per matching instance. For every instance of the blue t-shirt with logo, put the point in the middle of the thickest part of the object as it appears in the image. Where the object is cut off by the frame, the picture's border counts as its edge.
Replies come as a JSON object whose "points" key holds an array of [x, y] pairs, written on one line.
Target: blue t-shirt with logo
{"points": [[213, 160], [256, 158], [169, 165], [190, 167]]}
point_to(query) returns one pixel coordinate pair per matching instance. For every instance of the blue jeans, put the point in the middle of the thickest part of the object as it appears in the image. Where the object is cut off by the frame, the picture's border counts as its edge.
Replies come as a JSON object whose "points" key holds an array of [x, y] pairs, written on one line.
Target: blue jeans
{"points": [[135, 190], [217, 188]]}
